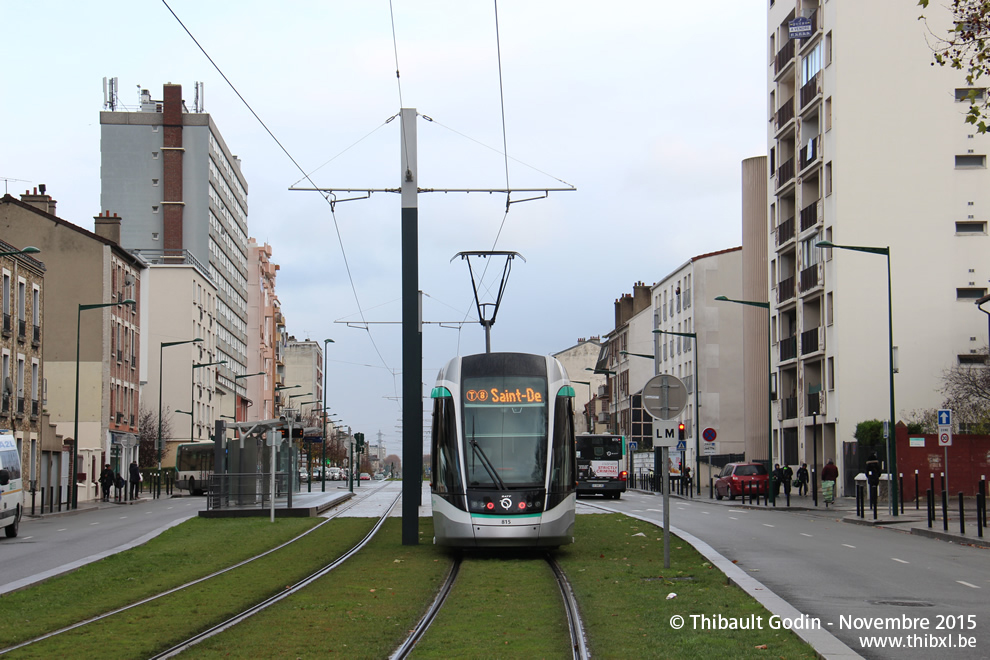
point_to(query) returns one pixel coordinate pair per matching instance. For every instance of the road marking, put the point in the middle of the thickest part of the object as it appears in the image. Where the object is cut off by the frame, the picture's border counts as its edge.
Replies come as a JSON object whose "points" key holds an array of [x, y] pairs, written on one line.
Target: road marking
{"points": [[967, 584], [808, 535], [767, 525], [61, 530], [656, 510], [25, 538], [681, 508], [900, 560], [849, 546], [123, 517], [96, 523], [706, 512], [733, 518]]}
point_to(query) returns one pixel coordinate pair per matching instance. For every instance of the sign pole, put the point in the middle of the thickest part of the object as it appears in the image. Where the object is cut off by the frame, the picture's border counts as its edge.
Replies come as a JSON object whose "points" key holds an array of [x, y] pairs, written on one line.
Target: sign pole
{"points": [[665, 480]]}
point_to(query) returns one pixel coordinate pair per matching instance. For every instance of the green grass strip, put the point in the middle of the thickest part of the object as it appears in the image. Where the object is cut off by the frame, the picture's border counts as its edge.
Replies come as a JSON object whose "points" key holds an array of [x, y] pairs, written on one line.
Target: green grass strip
{"points": [[179, 555], [363, 609], [616, 571]]}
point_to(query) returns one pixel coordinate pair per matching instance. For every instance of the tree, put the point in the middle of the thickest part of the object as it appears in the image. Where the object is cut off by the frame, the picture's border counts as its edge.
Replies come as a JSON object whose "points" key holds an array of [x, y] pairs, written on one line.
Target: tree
{"points": [[966, 392], [965, 47], [148, 437]]}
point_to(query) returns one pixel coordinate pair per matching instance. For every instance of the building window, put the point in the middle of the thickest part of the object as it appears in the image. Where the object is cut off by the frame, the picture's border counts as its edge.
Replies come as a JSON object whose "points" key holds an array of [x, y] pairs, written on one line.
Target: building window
{"points": [[154, 183], [828, 114], [970, 293], [973, 358], [971, 94], [154, 209], [971, 162], [154, 155], [828, 178], [830, 373], [971, 228]]}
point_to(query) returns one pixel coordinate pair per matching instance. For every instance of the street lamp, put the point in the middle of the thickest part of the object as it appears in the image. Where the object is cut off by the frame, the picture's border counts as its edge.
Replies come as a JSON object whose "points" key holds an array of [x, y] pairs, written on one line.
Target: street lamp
{"points": [[75, 423], [279, 388], [28, 250], [766, 306], [237, 378], [697, 406], [324, 466], [891, 441], [161, 352], [192, 391]]}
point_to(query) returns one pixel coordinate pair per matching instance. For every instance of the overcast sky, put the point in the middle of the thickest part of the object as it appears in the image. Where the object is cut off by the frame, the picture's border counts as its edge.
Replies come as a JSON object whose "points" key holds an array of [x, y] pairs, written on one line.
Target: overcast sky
{"points": [[646, 107]]}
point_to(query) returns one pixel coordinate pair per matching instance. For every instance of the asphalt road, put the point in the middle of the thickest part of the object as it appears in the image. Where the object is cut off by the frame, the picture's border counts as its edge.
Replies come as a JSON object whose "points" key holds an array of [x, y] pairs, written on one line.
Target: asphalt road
{"points": [[848, 575]]}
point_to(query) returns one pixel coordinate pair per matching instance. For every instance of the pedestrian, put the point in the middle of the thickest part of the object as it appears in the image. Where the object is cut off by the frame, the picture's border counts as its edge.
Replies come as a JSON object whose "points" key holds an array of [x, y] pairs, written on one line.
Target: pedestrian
{"points": [[776, 477], [106, 481], [135, 474], [119, 485], [786, 475], [873, 477], [802, 479], [830, 474]]}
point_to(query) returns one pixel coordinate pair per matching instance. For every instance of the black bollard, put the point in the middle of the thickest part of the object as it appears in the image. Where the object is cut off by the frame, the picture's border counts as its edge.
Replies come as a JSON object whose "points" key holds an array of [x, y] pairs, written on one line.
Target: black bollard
{"points": [[962, 514], [901, 488], [916, 490], [945, 511], [930, 504], [980, 502]]}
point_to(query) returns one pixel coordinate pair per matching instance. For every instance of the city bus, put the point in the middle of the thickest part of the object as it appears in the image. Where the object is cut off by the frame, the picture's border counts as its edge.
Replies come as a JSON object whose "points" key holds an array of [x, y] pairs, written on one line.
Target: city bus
{"points": [[601, 461], [194, 466]]}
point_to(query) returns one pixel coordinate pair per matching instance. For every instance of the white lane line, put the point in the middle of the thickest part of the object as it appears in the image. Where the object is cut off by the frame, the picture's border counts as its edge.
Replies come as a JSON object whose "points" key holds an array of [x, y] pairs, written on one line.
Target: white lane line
{"points": [[900, 560], [25, 538], [733, 518], [681, 508], [656, 510], [61, 530], [767, 525], [705, 512], [849, 546], [967, 584], [808, 535], [96, 523], [123, 517]]}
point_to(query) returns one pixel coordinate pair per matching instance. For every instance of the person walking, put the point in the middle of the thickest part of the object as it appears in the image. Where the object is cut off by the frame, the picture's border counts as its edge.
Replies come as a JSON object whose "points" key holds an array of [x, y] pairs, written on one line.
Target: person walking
{"points": [[873, 478], [135, 479], [118, 487], [786, 476], [106, 481], [830, 474], [802, 479], [775, 477]]}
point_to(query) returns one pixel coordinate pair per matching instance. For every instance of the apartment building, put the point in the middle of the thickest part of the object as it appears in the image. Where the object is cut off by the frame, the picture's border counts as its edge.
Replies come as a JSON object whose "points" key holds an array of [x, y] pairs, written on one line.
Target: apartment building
{"points": [[171, 175], [304, 374], [259, 394], [867, 147], [88, 277], [576, 361]]}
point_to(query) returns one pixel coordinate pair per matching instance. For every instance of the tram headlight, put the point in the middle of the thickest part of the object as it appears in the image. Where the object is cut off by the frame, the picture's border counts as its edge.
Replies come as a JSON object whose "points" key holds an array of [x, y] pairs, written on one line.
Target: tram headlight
{"points": [[489, 505], [522, 506]]}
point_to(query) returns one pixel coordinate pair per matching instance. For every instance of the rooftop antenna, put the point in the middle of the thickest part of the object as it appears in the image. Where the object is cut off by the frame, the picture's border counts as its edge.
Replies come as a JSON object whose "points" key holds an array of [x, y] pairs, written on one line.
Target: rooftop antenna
{"points": [[110, 86], [487, 323]]}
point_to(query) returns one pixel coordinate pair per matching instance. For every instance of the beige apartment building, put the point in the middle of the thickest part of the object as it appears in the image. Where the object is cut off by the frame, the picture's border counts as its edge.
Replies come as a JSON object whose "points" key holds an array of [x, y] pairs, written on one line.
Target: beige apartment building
{"points": [[867, 147]]}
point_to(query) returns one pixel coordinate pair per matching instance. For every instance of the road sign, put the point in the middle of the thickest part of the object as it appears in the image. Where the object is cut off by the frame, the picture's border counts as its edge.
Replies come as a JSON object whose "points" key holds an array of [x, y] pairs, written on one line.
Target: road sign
{"points": [[681, 445], [709, 449], [944, 417], [664, 396], [709, 434], [944, 428], [944, 438], [665, 433], [632, 445]]}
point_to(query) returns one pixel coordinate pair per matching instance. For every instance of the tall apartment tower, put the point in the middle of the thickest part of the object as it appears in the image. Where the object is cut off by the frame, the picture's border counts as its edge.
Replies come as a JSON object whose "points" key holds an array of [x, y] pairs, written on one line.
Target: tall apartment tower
{"points": [[867, 147], [183, 198]]}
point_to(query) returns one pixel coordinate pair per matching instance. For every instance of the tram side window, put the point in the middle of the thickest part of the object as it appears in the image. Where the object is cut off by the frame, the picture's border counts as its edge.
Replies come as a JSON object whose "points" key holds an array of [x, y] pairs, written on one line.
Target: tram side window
{"points": [[563, 469], [446, 466]]}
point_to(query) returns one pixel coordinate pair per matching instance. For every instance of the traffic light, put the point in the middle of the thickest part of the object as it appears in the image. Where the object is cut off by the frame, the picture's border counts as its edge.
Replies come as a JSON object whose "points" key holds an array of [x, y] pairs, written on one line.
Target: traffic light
{"points": [[680, 431], [359, 441]]}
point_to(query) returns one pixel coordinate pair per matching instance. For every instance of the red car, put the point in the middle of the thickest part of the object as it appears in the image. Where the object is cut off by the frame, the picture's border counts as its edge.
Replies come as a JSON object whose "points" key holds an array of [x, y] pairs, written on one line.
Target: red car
{"points": [[739, 478]]}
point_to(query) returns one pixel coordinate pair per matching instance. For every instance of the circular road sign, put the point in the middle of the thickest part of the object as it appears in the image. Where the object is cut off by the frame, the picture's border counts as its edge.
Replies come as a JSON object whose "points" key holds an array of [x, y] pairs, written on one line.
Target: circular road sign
{"points": [[709, 434], [664, 396]]}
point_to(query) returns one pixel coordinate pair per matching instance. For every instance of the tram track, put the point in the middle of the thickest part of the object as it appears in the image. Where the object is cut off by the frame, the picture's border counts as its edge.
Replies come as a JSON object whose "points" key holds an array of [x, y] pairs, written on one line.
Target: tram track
{"points": [[579, 644], [338, 512]]}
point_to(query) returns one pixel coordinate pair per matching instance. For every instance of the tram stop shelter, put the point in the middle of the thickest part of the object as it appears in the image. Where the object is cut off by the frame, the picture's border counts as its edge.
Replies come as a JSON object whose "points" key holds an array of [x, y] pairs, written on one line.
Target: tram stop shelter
{"points": [[242, 483]]}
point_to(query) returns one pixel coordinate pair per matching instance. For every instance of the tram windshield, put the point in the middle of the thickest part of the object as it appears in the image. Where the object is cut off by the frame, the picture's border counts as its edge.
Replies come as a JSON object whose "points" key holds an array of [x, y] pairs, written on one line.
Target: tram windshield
{"points": [[505, 430]]}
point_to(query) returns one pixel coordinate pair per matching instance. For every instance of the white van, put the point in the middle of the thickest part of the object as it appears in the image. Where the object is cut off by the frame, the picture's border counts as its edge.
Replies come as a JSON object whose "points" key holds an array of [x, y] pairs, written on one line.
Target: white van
{"points": [[10, 485]]}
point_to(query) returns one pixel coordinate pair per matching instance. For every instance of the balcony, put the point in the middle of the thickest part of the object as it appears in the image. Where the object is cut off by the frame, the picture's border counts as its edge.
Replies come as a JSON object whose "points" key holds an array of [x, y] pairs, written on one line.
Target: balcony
{"points": [[814, 405], [785, 173], [812, 341], [788, 408], [36, 335], [811, 277], [788, 348], [785, 113], [785, 290], [809, 216], [21, 329], [810, 90], [785, 231], [810, 153], [784, 57]]}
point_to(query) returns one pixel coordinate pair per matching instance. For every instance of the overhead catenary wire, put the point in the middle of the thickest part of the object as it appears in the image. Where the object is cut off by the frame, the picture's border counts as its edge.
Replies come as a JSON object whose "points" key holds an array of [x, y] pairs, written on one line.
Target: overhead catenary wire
{"points": [[340, 241]]}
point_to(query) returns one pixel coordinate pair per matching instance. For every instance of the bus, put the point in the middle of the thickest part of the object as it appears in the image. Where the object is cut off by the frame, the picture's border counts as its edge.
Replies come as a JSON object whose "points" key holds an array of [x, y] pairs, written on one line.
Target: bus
{"points": [[601, 461], [194, 466]]}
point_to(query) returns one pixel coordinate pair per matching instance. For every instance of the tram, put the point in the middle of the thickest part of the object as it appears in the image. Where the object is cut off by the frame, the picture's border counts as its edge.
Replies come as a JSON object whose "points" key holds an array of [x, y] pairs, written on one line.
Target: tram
{"points": [[503, 455]]}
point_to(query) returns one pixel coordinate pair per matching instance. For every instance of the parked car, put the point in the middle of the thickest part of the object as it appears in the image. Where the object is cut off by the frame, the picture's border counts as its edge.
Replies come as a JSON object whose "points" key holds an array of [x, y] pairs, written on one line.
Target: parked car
{"points": [[334, 474], [317, 473], [303, 475], [739, 478], [379, 477], [365, 476]]}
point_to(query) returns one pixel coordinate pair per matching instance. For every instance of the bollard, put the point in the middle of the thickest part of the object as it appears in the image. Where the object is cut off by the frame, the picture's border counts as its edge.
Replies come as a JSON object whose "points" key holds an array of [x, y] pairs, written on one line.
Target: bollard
{"points": [[980, 502], [916, 490], [711, 488], [873, 500], [962, 514], [945, 511], [42, 502], [941, 481], [983, 491], [931, 507], [814, 486], [901, 487], [859, 513]]}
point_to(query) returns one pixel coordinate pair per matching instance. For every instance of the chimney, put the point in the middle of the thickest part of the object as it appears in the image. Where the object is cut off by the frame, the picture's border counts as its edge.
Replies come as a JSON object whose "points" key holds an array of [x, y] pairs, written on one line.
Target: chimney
{"points": [[107, 227], [641, 297], [39, 200], [623, 309]]}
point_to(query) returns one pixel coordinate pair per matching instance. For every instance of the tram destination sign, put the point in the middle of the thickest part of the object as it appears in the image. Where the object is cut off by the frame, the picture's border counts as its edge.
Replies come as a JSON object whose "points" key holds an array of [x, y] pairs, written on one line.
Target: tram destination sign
{"points": [[664, 396]]}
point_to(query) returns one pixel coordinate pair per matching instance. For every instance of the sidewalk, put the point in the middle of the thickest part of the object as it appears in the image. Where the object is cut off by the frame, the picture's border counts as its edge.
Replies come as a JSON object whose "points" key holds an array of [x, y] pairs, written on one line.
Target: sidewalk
{"points": [[912, 521], [83, 507]]}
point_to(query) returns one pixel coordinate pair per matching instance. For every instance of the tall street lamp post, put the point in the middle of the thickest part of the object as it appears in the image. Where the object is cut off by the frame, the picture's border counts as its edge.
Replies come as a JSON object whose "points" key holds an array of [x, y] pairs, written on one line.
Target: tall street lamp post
{"points": [[697, 406], [891, 441], [192, 391], [309, 449], [323, 469], [75, 423], [237, 378], [160, 445], [766, 306]]}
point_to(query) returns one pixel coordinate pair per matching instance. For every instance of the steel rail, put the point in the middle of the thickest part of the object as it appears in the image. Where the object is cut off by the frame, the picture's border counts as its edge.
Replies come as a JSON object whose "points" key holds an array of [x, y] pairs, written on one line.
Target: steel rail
{"points": [[337, 511], [579, 641], [417, 633], [265, 604]]}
